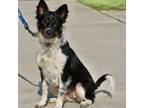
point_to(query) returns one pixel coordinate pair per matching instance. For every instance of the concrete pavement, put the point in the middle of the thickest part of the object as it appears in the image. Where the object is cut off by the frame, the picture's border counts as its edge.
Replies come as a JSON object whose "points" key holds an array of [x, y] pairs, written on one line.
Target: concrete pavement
{"points": [[99, 41], [121, 15]]}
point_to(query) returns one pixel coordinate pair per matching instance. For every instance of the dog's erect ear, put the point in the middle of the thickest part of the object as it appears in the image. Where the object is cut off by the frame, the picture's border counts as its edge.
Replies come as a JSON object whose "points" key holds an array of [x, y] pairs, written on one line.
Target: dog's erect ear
{"points": [[41, 8], [62, 11]]}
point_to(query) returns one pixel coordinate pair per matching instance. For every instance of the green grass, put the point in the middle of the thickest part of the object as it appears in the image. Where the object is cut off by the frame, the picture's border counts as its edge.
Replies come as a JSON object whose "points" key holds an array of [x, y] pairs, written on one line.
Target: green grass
{"points": [[105, 4]]}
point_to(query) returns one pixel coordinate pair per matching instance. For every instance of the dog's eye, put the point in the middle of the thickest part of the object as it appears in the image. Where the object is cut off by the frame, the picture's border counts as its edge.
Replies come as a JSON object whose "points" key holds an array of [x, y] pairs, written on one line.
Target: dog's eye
{"points": [[47, 20]]}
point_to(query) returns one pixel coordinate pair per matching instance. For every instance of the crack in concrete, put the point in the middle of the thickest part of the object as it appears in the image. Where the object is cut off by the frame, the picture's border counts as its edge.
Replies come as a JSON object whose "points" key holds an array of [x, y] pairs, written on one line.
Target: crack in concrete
{"points": [[121, 21]]}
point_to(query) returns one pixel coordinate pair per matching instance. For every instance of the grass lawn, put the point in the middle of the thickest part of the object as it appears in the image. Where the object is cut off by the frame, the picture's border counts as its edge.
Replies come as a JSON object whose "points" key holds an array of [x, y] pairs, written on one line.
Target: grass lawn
{"points": [[105, 4]]}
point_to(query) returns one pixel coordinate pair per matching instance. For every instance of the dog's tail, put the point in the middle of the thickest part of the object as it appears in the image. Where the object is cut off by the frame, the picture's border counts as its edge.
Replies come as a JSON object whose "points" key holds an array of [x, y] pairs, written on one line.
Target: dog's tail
{"points": [[101, 80]]}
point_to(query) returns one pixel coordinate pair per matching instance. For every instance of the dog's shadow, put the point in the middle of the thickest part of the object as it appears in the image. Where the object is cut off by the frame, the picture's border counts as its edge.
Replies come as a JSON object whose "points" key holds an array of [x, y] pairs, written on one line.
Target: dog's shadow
{"points": [[50, 95]]}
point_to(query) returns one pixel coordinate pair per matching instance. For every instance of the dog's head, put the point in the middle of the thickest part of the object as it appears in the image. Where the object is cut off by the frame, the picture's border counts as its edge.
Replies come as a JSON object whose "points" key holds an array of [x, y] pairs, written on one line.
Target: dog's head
{"points": [[49, 23]]}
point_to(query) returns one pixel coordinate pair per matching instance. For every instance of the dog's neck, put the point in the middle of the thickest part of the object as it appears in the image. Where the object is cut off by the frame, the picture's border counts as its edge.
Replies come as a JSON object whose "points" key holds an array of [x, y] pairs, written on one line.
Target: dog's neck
{"points": [[59, 42]]}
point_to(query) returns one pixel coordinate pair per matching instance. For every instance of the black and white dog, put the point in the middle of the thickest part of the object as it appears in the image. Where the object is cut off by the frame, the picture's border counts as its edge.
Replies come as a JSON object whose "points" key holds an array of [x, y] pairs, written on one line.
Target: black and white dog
{"points": [[62, 72]]}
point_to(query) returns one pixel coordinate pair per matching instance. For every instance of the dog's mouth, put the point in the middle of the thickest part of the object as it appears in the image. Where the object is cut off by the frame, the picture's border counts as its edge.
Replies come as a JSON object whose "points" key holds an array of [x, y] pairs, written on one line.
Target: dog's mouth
{"points": [[49, 34]]}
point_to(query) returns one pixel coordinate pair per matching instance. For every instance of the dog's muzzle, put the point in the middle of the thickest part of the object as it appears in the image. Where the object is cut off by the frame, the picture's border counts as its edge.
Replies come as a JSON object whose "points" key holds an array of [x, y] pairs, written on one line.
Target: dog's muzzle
{"points": [[48, 33]]}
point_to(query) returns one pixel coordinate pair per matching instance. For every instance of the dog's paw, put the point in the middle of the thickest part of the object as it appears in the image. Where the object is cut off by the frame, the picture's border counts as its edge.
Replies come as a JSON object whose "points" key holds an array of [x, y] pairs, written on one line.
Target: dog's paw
{"points": [[85, 104], [38, 106], [52, 100], [58, 107], [41, 104]]}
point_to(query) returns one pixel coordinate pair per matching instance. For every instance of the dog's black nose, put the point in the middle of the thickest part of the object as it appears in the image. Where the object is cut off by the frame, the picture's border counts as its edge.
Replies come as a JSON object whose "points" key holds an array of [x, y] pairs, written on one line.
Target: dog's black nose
{"points": [[48, 32]]}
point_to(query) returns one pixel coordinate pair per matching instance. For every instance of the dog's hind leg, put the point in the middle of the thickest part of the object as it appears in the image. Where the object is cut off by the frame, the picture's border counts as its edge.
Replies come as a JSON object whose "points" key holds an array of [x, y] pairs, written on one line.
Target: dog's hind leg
{"points": [[44, 99], [80, 93]]}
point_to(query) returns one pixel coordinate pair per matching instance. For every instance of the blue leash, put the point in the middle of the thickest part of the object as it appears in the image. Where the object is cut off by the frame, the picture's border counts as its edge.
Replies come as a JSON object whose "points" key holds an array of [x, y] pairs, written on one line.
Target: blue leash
{"points": [[25, 24]]}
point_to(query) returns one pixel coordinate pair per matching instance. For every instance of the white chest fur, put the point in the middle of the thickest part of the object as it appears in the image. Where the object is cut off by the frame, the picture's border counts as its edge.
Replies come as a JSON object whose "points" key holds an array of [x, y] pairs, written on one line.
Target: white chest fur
{"points": [[52, 61]]}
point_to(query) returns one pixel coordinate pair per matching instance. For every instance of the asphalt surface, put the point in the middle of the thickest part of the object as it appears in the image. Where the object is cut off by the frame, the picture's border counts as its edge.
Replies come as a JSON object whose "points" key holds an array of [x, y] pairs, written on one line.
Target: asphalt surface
{"points": [[98, 40]]}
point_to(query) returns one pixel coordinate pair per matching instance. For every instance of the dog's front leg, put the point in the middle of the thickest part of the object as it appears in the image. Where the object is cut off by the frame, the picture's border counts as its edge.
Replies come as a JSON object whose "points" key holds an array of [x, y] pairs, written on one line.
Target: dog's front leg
{"points": [[43, 100], [61, 92]]}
